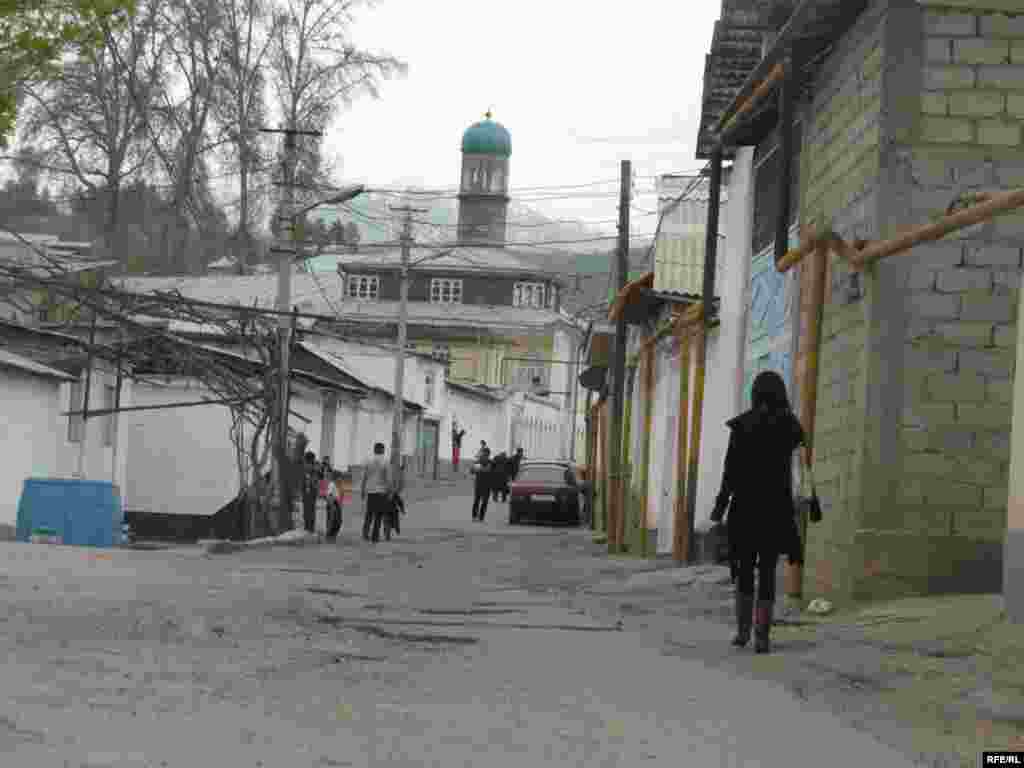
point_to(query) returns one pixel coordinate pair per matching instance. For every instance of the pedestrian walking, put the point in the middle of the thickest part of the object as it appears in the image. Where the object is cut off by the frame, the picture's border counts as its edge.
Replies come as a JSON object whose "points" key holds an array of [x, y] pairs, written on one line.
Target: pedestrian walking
{"points": [[397, 511], [499, 476], [482, 449], [310, 491], [377, 489], [457, 435], [757, 490], [481, 484], [517, 460], [335, 501]]}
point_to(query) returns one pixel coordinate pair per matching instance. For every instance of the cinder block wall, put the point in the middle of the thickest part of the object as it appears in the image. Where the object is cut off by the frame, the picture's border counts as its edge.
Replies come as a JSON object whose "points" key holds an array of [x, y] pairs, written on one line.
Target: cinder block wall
{"points": [[961, 293], [912, 440], [839, 187]]}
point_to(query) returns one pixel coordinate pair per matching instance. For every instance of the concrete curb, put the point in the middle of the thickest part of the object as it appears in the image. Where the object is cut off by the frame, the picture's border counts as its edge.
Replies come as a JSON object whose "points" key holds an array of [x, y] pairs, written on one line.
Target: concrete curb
{"points": [[287, 539]]}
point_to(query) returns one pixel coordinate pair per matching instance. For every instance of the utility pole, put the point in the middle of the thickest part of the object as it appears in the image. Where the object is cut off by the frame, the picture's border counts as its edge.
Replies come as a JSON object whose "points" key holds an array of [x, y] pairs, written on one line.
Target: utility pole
{"points": [[83, 446], [288, 252], [398, 418], [616, 497]]}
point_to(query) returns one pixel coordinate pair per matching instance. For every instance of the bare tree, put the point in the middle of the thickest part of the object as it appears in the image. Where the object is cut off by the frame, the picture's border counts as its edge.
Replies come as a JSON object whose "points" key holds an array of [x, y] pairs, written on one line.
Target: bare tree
{"points": [[89, 123], [240, 106], [193, 33], [316, 70]]}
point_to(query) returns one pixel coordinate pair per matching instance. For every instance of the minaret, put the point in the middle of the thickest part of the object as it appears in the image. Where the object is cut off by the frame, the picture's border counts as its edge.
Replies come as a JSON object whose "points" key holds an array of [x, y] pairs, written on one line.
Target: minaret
{"points": [[483, 192]]}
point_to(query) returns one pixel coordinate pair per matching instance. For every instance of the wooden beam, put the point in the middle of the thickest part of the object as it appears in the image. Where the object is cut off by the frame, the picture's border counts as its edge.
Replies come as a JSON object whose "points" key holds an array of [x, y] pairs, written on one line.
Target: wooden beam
{"points": [[867, 253], [648, 384], [680, 531], [997, 204], [762, 89], [700, 342]]}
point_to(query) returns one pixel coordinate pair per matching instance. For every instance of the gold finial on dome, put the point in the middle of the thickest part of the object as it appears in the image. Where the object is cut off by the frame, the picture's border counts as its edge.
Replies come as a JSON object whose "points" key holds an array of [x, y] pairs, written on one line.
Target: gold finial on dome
{"points": [[489, 113]]}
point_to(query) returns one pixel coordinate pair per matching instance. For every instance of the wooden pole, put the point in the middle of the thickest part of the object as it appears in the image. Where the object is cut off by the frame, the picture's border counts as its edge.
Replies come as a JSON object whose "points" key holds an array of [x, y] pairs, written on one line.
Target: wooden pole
{"points": [[815, 285], [648, 396], [602, 426], [617, 393], [701, 337], [680, 531], [83, 446]]}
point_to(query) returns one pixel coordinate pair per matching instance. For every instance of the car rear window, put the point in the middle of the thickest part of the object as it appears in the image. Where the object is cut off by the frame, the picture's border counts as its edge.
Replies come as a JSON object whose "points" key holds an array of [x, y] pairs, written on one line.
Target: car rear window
{"points": [[542, 475]]}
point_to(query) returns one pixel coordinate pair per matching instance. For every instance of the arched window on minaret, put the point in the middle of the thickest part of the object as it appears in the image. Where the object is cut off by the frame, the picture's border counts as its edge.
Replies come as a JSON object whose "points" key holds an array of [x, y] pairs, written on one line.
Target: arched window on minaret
{"points": [[497, 180]]}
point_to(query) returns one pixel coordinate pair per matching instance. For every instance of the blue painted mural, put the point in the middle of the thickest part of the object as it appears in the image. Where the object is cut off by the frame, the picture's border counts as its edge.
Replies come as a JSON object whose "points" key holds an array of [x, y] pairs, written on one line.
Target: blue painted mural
{"points": [[770, 325]]}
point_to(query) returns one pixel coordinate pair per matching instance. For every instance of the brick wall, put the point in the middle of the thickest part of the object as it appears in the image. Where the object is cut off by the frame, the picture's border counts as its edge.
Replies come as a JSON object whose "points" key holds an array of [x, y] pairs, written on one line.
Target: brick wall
{"points": [[962, 292], [840, 177], [915, 378]]}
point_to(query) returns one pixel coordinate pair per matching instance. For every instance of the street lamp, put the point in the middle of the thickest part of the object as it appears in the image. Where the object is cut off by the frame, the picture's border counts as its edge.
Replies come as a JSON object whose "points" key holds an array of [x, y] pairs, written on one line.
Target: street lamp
{"points": [[284, 300]]}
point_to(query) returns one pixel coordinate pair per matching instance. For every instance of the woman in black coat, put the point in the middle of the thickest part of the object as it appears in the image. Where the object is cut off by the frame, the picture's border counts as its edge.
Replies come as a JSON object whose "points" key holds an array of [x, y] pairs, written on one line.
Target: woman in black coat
{"points": [[757, 489]]}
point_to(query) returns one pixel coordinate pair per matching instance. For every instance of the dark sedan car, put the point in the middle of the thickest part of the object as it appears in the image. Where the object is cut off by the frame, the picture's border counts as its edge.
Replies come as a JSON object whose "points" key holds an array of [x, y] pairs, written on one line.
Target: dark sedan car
{"points": [[545, 492]]}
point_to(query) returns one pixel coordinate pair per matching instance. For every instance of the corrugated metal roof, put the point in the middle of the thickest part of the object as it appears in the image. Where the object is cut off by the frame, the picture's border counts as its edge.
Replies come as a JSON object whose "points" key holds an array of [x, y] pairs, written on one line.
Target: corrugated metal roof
{"points": [[735, 65], [12, 360]]}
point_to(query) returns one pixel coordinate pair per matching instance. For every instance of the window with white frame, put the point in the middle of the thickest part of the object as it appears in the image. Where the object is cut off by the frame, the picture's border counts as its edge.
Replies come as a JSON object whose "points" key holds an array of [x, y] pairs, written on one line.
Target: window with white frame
{"points": [[428, 389], [76, 424], [528, 295], [445, 290], [363, 286]]}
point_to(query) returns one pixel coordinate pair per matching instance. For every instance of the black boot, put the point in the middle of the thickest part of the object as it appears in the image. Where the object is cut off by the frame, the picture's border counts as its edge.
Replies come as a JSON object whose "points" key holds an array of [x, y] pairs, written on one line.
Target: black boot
{"points": [[763, 628], [744, 619]]}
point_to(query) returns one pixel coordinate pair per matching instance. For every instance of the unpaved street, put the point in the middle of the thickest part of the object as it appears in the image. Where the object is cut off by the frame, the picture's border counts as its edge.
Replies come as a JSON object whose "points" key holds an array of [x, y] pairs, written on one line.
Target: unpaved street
{"points": [[455, 645]]}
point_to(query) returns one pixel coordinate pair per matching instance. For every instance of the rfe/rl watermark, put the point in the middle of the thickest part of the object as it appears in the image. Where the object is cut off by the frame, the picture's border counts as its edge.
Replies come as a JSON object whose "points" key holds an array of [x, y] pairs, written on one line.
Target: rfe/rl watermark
{"points": [[1002, 758]]}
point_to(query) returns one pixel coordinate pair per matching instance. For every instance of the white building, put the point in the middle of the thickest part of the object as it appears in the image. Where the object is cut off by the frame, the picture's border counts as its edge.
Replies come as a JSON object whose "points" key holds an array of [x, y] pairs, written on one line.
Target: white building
{"points": [[42, 379]]}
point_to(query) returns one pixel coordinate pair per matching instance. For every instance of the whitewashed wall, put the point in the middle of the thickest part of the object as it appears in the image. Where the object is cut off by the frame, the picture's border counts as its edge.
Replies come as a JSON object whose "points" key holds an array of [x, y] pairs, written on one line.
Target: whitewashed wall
{"points": [[664, 458], [723, 388], [31, 439], [183, 460], [539, 428], [483, 418], [99, 454], [372, 424]]}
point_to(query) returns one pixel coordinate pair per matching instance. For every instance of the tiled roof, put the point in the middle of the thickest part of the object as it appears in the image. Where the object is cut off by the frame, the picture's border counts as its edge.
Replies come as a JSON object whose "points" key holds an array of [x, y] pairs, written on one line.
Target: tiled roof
{"points": [[322, 295], [11, 360]]}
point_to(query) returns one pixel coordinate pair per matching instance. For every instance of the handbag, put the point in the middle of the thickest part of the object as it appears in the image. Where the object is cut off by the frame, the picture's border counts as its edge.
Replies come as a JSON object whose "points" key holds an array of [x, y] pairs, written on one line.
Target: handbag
{"points": [[809, 504]]}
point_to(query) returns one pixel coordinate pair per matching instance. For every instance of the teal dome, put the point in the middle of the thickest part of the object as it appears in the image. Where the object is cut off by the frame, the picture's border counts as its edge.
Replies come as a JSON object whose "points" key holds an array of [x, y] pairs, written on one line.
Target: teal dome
{"points": [[487, 137]]}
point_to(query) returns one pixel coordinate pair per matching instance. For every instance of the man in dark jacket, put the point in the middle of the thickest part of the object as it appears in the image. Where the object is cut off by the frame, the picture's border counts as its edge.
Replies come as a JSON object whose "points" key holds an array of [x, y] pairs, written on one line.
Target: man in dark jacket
{"points": [[500, 468], [310, 490], [516, 460], [482, 484]]}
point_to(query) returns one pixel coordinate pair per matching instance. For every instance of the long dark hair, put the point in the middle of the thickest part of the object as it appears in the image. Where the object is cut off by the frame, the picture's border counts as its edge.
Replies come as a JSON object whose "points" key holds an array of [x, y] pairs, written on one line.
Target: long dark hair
{"points": [[769, 393]]}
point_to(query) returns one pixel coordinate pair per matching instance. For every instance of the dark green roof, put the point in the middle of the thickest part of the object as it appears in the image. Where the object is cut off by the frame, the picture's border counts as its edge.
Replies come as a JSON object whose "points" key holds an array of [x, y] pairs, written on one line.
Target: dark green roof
{"points": [[487, 137]]}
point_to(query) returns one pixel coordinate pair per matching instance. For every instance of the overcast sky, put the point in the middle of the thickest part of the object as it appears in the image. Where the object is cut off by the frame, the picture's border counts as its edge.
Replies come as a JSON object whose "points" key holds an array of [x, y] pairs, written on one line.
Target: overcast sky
{"points": [[580, 86]]}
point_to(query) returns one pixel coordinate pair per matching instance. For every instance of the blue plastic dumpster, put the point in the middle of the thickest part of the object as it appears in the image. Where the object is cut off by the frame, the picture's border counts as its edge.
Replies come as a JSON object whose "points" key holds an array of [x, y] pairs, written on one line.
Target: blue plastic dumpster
{"points": [[85, 513]]}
